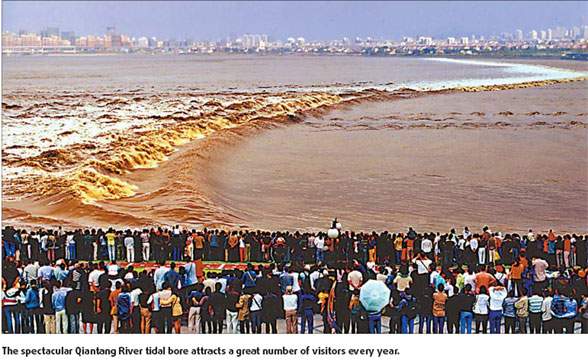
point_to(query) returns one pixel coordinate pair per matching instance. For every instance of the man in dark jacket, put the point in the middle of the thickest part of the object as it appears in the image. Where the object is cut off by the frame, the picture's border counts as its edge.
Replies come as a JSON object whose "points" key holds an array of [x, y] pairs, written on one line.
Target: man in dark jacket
{"points": [[231, 300], [217, 302], [453, 311], [271, 311], [73, 308], [466, 301]]}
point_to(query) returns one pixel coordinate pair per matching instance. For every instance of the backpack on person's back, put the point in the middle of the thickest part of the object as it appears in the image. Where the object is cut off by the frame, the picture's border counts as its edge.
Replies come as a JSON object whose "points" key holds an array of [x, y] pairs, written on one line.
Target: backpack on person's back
{"points": [[563, 307], [412, 307]]}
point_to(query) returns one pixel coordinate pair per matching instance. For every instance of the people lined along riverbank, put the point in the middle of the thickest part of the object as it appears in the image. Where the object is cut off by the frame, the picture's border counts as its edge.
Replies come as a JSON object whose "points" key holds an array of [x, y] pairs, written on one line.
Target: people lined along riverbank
{"points": [[56, 281], [449, 249]]}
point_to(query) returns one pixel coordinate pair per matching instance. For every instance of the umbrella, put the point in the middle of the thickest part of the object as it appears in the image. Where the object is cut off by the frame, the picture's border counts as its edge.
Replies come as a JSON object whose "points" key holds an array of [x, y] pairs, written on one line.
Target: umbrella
{"points": [[374, 295]]}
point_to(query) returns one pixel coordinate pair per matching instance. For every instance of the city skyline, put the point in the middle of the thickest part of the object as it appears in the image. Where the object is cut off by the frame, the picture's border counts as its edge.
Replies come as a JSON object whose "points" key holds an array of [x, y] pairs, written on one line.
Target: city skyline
{"points": [[206, 21]]}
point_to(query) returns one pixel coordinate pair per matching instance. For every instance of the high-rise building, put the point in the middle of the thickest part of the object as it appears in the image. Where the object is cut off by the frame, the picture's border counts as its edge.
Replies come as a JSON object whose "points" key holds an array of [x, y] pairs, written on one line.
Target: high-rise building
{"points": [[575, 33], [69, 36], [519, 35], [50, 31], [451, 40], [560, 32], [533, 35], [464, 41], [543, 35], [423, 40], [507, 36], [549, 34]]}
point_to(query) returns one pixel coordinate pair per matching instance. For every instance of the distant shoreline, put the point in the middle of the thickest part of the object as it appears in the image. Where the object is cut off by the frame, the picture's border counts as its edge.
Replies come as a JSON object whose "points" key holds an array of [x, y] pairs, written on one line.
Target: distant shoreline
{"points": [[286, 54]]}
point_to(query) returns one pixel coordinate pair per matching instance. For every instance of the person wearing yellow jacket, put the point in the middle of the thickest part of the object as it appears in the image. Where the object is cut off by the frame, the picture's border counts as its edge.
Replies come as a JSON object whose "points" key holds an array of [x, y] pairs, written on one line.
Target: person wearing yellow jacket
{"points": [[176, 307]]}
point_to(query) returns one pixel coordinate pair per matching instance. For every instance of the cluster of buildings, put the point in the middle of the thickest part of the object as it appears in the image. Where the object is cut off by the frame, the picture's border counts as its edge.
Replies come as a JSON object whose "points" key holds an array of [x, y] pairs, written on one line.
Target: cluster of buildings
{"points": [[548, 42]]}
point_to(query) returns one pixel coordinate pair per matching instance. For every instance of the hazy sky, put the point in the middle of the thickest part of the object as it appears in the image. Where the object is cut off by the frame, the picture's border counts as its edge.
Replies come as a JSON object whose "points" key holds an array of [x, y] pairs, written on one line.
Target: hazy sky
{"points": [[312, 20]]}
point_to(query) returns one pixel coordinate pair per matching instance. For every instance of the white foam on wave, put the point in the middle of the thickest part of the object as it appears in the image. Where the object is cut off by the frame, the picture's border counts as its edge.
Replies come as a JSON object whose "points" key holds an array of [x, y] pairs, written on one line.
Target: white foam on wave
{"points": [[96, 122], [516, 73]]}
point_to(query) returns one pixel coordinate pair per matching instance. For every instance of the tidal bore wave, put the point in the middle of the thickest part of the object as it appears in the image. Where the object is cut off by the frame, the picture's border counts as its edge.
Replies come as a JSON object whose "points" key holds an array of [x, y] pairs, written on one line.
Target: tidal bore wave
{"points": [[72, 152]]}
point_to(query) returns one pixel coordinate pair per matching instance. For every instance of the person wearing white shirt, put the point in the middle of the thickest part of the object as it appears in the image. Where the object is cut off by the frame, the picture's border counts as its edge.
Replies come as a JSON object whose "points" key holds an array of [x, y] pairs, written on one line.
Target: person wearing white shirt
{"points": [[71, 247], [311, 241], [290, 308], [427, 247], [296, 284], [497, 295], [94, 276], [209, 282], [434, 277], [500, 277], [481, 311], [449, 288], [531, 236], [468, 278], [546, 317], [466, 233], [223, 282], [474, 244], [30, 272], [355, 279], [461, 246], [130, 246], [319, 242], [423, 264], [313, 277], [145, 246]]}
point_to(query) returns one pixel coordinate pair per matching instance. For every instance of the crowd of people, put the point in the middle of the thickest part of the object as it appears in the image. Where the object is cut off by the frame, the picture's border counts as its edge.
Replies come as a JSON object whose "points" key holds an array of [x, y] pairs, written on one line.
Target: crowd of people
{"points": [[85, 281]]}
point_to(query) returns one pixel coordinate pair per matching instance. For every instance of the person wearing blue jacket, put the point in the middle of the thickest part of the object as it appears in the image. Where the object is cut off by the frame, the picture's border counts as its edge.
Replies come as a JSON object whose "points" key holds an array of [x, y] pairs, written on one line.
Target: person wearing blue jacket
{"points": [[172, 277], [307, 304], [124, 306], [249, 278], [408, 307], [33, 319], [286, 279], [564, 311], [58, 301]]}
